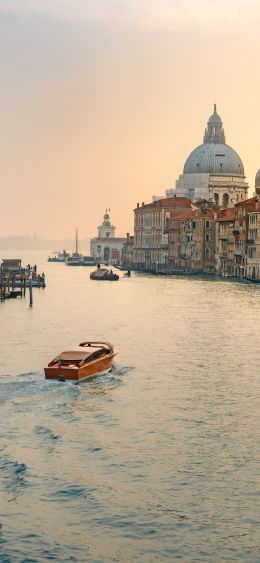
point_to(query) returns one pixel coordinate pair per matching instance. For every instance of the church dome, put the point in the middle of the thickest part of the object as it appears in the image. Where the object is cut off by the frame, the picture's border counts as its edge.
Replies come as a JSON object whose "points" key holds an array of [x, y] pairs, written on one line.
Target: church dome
{"points": [[214, 156], [257, 179], [214, 159]]}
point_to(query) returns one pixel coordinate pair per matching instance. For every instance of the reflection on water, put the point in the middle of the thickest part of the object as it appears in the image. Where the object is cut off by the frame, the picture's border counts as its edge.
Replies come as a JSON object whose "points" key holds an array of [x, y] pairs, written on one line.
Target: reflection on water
{"points": [[157, 460]]}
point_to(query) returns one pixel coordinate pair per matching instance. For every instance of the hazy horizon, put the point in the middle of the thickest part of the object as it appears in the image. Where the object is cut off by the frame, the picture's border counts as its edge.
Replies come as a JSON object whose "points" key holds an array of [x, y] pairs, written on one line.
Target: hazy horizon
{"points": [[102, 102]]}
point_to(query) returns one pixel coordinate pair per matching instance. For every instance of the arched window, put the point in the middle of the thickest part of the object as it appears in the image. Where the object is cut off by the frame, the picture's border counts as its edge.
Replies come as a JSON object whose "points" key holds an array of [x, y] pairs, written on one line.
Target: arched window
{"points": [[207, 237], [225, 200], [216, 197], [207, 253]]}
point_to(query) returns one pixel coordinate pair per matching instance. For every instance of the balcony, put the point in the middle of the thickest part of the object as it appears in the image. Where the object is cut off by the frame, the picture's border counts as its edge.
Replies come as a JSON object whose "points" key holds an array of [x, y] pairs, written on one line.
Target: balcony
{"points": [[171, 226], [250, 241], [223, 237], [164, 245]]}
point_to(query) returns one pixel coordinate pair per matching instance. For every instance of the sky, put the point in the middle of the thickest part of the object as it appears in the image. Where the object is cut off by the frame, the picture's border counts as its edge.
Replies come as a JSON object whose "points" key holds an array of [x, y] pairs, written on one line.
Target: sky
{"points": [[102, 101]]}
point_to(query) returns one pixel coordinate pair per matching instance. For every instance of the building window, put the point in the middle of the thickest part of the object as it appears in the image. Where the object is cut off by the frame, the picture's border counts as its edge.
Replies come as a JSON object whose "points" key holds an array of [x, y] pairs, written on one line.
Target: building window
{"points": [[207, 237], [225, 200], [207, 254], [207, 224], [107, 235]]}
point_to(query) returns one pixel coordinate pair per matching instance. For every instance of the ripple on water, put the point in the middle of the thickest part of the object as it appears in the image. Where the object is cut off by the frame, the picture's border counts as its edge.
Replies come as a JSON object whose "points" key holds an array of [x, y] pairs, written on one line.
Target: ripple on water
{"points": [[47, 433], [156, 461], [13, 475]]}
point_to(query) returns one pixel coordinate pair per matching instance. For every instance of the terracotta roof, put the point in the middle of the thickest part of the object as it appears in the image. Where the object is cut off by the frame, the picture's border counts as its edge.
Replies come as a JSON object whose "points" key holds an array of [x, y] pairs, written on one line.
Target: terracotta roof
{"points": [[226, 215], [247, 201], [167, 202], [182, 214], [227, 218]]}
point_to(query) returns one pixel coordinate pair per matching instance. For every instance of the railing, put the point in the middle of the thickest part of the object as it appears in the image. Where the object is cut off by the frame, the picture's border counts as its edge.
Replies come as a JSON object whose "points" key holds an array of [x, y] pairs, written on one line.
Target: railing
{"points": [[223, 237]]}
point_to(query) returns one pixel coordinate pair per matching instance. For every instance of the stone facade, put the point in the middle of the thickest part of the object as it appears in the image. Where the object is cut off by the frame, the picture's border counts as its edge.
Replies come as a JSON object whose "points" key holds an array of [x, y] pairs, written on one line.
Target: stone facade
{"points": [[253, 251], [106, 247], [224, 256], [192, 240], [150, 249], [241, 236], [174, 234]]}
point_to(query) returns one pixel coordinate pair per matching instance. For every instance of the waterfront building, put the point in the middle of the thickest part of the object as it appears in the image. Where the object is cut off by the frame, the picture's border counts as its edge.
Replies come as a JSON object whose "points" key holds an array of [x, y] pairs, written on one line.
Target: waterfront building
{"points": [[224, 256], [241, 235], [253, 252], [106, 247], [192, 240], [213, 171], [128, 252], [150, 249], [176, 229]]}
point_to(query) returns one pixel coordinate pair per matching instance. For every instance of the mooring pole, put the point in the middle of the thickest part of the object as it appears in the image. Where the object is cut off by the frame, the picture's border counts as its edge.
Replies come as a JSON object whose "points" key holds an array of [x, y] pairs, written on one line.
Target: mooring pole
{"points": [[31, 292]]}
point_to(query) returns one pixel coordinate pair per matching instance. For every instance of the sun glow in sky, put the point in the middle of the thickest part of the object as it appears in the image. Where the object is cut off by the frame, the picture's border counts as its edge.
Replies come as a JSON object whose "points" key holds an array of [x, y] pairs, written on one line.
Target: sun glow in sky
{"points": [[103, 100]]}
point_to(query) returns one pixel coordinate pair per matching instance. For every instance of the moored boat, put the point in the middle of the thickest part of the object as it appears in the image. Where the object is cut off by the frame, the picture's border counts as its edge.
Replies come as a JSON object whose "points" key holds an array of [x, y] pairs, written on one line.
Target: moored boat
{"points": [[88, 261], [59, 257], [77, 364], [103, 274], [75, 258]]}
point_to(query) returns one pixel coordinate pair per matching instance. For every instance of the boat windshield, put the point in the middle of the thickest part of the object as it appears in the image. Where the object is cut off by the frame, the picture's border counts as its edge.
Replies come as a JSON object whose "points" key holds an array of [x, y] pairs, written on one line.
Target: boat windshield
{"points": [[78, 355]]}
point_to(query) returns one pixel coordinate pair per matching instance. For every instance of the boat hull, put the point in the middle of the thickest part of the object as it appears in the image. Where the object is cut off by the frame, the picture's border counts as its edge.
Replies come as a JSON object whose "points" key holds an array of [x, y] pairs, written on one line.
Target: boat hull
{"points": [[74, 374]]}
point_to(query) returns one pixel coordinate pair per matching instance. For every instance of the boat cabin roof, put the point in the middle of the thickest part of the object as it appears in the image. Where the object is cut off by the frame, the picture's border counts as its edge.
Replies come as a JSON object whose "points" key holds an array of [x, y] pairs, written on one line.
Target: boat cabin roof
{"points": [[78, 353]]}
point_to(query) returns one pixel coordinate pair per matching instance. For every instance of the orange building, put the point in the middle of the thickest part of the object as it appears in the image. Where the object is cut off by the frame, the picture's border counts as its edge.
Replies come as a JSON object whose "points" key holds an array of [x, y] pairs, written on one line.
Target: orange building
{"points": [[225, 226], [241, 234], [192, 240]]}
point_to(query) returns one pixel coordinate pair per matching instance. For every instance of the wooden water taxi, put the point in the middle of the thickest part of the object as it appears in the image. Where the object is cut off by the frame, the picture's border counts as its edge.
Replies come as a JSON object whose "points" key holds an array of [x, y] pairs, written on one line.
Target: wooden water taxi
{"points": [[77, 364]]}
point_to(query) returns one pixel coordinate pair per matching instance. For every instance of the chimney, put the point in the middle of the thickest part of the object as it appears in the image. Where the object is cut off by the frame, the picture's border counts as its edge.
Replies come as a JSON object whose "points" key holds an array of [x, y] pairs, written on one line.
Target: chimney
{"points": [[127, 235], [137, 205], [142, 203]]}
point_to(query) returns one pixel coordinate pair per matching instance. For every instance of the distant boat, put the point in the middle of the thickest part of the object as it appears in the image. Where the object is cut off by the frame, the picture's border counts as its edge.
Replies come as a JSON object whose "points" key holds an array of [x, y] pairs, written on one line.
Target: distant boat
{"points": [[103, 274], [83, 361], [75, 258], [88, 261], [59, 257]]}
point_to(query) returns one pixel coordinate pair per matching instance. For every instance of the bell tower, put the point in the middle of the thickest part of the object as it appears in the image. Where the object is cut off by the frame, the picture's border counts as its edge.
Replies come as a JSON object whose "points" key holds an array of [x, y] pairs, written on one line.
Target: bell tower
{"points": [[106, 229]]}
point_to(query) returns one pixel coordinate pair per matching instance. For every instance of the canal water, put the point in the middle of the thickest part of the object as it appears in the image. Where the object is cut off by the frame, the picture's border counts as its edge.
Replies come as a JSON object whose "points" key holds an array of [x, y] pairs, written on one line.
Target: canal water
{"points": [[156, 461]]}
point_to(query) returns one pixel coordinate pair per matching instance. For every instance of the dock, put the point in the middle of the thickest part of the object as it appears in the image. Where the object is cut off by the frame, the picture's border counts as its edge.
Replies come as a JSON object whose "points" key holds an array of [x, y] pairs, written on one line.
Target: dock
{"points": [[14, 279]]}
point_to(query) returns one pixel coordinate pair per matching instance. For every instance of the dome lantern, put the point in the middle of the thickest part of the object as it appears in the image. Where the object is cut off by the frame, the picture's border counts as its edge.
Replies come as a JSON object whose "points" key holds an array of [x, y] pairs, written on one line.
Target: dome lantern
{"points": [[214, 132]]}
